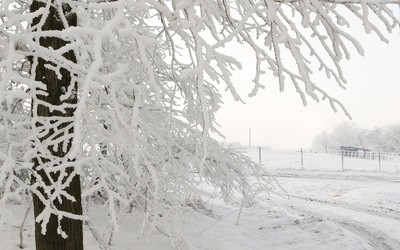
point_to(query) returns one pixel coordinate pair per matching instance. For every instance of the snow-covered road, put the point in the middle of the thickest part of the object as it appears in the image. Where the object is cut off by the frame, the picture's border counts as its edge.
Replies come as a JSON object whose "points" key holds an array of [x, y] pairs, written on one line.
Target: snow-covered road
{"points": [[366, 204]]}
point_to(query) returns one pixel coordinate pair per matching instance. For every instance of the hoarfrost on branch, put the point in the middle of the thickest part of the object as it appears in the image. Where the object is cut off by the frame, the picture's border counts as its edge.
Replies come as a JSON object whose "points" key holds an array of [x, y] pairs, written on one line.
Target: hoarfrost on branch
{"points": [[148, 74]]}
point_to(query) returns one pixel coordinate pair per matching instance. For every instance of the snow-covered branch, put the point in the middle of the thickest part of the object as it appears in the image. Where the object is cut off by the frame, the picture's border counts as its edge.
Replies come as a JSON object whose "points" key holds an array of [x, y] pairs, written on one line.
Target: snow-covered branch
{"points": [[146, 80]]}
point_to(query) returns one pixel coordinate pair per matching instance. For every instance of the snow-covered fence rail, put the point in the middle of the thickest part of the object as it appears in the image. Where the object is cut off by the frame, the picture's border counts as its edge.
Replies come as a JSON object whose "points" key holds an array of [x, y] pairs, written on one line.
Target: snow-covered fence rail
{"points": [[329, 160]]}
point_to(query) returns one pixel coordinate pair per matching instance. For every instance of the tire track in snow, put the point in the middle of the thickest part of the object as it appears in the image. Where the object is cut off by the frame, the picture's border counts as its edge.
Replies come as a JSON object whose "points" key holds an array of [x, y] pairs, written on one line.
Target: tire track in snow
{"points": [[384, 212], [373, 236], [366, 178]]}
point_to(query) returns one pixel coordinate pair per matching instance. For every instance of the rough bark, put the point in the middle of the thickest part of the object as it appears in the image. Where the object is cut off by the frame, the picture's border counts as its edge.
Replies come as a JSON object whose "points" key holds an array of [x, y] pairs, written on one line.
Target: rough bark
{"points": [[55, 88]]}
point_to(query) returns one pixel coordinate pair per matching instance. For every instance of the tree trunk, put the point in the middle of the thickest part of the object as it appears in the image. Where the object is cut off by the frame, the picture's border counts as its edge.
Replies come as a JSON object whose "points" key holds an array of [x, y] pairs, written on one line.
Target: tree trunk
{"points": [[51, 156]]}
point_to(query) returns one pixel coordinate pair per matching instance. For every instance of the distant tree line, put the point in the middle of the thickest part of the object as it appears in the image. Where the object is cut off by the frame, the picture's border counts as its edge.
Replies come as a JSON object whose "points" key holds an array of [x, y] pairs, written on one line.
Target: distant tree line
{"points": [[385, 138]]}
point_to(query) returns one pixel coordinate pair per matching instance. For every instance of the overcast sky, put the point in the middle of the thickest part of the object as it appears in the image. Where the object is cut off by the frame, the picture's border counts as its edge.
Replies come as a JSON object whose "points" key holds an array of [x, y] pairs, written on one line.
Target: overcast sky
{"points": [[279, 119]]}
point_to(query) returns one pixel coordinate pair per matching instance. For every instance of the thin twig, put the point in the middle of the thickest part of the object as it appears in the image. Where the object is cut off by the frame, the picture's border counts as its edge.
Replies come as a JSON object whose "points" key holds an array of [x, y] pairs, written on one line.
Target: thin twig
{"points": [[240, 212], [96, 235], [21, 230]]}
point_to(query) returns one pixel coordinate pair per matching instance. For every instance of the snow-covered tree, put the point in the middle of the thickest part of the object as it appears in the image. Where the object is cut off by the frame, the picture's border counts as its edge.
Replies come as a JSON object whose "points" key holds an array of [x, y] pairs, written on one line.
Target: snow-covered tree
{"points": [[321, 142], [344, 134], [383, 139], [123, 96]]}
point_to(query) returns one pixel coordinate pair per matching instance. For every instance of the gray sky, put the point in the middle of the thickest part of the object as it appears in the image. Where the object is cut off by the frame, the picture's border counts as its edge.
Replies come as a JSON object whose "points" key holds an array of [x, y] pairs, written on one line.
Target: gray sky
{"points": [[281, 121]]}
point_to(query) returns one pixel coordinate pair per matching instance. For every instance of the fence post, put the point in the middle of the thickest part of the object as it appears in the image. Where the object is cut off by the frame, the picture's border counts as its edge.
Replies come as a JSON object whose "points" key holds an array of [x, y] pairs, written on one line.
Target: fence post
{"points": [[342, 160], [380, 162], [259, 154], [302, 162]]}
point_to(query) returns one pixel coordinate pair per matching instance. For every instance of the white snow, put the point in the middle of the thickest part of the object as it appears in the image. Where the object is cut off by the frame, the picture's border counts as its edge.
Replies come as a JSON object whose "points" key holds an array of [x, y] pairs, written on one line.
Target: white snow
{"points": [[147, 83], [322, 210]]}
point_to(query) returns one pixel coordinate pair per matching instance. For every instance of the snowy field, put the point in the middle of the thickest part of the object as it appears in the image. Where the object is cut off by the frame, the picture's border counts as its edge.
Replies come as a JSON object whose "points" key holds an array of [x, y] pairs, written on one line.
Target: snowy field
{"points": [[322, 210]]}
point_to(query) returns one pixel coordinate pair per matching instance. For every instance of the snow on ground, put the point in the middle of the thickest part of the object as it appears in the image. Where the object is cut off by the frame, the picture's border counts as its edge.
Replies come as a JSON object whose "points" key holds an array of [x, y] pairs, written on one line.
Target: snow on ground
{"points": [[320, 161], [322, 210], [366, 204]]}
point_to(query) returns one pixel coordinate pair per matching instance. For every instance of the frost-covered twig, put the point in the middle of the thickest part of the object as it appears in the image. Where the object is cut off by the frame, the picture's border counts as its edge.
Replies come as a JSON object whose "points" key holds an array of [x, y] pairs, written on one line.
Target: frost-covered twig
{"points": [[21, 230], [147, 76], [95, 233]]}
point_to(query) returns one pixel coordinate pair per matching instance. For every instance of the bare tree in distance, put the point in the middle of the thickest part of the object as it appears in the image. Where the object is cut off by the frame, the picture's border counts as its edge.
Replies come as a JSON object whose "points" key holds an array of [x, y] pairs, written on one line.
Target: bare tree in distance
{"points": [[135, 95]]}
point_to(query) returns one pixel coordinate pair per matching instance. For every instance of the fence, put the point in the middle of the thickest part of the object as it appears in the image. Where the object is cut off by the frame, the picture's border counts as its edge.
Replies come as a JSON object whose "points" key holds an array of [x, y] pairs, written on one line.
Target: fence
{"points": [[328, 160]]}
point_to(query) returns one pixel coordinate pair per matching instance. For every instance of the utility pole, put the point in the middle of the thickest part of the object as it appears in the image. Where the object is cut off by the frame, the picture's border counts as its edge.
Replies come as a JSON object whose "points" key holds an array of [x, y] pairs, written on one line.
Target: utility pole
{"points": [[302, 160], [249, 137]]}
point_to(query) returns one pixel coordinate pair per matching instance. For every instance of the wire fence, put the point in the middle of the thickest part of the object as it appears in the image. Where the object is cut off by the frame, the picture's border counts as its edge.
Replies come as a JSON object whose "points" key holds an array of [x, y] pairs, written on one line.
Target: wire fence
{"points": [[334, 160]]}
